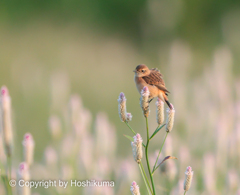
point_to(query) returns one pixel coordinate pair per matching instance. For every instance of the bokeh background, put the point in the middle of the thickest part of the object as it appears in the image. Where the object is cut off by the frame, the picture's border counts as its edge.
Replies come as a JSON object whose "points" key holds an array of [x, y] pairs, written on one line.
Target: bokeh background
{"points": [[50, 50]]}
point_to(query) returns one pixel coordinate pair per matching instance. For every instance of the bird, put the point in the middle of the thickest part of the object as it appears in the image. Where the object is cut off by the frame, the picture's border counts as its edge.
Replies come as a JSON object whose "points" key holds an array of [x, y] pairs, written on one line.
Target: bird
{"points": [[153, 79]]}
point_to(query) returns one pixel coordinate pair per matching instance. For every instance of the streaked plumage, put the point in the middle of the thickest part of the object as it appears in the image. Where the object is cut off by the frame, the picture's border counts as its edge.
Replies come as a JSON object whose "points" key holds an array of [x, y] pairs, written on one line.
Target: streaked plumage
{"points": [[153, 79]]}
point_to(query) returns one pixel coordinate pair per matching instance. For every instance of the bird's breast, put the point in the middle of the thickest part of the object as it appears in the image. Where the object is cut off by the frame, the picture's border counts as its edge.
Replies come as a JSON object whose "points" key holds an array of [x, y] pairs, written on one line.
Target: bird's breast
{"points": [[140, 83]]}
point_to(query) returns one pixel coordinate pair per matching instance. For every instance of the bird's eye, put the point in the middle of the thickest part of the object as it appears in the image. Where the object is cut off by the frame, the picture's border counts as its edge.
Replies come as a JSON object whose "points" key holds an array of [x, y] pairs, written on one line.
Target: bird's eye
{"points": [[143, 70]]}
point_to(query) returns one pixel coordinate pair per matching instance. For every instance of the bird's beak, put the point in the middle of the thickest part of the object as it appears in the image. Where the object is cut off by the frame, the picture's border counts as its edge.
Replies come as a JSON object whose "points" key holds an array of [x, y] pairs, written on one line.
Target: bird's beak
{"points": [[134, 71]]}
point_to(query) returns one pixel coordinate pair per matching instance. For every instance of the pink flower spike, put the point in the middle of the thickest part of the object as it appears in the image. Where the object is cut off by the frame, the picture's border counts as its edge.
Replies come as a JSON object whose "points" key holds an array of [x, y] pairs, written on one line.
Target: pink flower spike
{"points": [[137, 148], [137, 138], [189, 169], [28, 148], [188, 178], [23, 172], [4, 91], [134, 183], [28, 136], [129, 116], [122, 96], [6, 120], [28, 139], [23, 166], [122, 110], [134, 188], [144, 101], [145, 91]]}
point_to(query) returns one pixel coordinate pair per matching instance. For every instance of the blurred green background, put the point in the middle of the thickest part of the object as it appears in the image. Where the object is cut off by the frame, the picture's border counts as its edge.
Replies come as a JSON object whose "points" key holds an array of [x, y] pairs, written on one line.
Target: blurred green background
{"points": [[51, 49]]}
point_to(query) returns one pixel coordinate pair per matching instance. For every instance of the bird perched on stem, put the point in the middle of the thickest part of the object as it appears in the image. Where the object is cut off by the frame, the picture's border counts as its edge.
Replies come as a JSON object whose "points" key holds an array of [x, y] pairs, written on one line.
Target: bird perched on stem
{"points": [[152, 78]]}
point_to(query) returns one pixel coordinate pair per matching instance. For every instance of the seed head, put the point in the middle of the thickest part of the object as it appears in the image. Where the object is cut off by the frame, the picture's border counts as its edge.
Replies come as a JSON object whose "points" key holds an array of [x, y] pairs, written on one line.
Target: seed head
{"points": [[188, 178], [137, 148], [122, 110], [5, 108], [170, 119], [4, 91], [23, 171], [23, 174], [129, 116], [135, 188], [144, 102], [160, 111], [28, 148]]}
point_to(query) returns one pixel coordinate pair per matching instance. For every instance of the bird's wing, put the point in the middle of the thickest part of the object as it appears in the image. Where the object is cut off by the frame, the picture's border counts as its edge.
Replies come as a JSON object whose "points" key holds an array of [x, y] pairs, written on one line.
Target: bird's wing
{"points": [[155, 78]]}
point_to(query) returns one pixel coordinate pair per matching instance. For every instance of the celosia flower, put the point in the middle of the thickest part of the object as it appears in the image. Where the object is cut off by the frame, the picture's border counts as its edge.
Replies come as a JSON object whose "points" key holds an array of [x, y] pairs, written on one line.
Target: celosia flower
{"points": [[160, 111], [122, 110], [144, 101], [137, 148], [135, 188], [188, 178], [170, 119], [28, 148], [23, 171], [6, 120], [23, 174], [129, 116]]}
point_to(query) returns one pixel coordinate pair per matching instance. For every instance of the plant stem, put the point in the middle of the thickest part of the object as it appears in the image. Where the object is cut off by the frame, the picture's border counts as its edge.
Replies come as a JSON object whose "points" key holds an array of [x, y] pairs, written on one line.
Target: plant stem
{"points": [[5, 182], [146, 152], [154, 131], [158, 127], [9, 167], [131, 128], [8, 175], [133, 132], [157, 130], [144, 179], [185, 192], [154, 168]]}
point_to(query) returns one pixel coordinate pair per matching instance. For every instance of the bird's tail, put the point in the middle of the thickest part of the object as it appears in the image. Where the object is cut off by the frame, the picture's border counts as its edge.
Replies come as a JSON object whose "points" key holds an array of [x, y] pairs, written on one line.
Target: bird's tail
{"points": [[167, 102]]}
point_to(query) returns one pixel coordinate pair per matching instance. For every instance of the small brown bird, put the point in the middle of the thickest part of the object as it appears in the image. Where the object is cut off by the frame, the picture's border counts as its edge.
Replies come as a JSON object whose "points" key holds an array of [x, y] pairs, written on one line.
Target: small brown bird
{"points": [[152, 78]]}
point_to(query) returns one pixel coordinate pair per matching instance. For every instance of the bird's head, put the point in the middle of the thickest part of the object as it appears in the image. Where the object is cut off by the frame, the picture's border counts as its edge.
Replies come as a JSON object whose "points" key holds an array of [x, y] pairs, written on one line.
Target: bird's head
{"points": [[141, 70]]}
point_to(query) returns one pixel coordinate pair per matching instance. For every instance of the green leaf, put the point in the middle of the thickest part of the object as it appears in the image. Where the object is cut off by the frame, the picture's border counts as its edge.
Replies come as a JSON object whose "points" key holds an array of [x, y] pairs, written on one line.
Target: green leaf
{"points": [[132, 140], [157, 130], [166, 158], [129, 137]]}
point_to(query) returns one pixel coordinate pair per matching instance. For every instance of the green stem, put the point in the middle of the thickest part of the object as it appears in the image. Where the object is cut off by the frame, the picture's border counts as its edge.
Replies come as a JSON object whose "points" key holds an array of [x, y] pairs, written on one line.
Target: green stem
{"points": [[133, 132], [154, 131], [158, 127], [131, 128], [154, 168], [9, 167], [5, 182], [185, 192], [144, 179], [9, 174], [146, 152], [157, 130]]}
